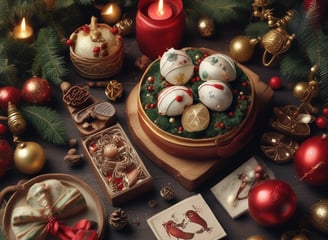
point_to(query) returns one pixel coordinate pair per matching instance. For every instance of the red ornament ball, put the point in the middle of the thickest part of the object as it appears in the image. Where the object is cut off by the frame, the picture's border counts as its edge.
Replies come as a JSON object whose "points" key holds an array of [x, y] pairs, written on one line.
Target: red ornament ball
{"points": [[271, 202], [321, 122], [275, 82], [3, 129], [36, 90], [9, 94], [311, 160], [325, 111], [6, 157]]}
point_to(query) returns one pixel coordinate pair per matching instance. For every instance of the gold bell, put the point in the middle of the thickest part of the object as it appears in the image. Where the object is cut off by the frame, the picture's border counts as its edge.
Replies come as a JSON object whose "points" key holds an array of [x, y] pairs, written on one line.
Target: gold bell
{"points": [[16, 121]]}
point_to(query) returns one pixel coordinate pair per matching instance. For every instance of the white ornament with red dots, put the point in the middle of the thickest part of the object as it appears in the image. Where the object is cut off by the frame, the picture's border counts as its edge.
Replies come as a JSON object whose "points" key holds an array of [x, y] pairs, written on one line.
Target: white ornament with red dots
{"points": [[94, 40], [217, 67], [216, 95], [176, 66], [173, 100]]}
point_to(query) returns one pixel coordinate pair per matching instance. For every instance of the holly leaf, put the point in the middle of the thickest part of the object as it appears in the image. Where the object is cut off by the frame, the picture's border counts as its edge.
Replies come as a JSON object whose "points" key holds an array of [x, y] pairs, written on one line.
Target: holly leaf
{"points": [[46, 122]]}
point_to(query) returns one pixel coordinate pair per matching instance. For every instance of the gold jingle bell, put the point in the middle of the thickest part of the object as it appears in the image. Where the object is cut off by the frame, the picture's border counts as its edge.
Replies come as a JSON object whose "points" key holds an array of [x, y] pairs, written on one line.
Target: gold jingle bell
{"points": [[16, 121], [206, 26], [242, 48], [319, 215]]}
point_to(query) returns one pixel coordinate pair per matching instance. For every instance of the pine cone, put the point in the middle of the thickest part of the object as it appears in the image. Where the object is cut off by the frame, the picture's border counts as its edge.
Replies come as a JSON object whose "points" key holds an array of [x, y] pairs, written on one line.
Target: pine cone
{"points": [[118, 219]]}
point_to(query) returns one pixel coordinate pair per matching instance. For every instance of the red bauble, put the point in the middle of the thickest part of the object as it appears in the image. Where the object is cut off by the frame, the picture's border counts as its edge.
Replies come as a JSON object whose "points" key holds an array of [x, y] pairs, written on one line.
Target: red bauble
{"points": [[6, 157], [311, 160], [275, 82], [36, 90], [9, 94], [271, 202]]}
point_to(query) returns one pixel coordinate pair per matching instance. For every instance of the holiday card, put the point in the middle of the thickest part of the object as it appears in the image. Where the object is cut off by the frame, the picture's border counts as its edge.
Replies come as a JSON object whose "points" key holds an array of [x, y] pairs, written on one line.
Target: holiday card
{"points": [[188, 219], [232, 191]]}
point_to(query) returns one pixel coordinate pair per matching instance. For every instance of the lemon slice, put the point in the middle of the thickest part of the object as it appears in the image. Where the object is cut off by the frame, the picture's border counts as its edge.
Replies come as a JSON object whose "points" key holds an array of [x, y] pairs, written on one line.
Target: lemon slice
{"points": [[195, 118]]}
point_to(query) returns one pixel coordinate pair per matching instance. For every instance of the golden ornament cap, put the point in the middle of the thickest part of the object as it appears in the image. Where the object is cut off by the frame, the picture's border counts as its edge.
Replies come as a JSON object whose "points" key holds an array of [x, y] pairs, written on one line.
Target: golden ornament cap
{"points": [[16, 121]]}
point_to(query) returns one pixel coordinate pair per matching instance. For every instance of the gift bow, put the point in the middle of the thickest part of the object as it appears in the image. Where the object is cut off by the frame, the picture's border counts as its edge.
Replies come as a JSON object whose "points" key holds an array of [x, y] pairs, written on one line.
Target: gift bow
{"points": [[48, 202]]}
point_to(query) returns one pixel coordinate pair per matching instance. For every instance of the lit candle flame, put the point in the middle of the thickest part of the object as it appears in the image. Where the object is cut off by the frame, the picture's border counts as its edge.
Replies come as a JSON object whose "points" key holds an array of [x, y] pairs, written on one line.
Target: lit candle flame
{"points": [[23, 25], [160, 7]]}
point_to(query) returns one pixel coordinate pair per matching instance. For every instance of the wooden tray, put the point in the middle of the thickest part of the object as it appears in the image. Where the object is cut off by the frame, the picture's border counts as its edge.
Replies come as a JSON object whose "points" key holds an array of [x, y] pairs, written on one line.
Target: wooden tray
{"points": [[189, 173]]}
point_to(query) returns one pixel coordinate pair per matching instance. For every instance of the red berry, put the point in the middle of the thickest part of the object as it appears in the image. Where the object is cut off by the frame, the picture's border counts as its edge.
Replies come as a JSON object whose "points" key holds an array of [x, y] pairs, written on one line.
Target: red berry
{"points": [[325, 111], [96, 49], [150, 88], [321, 122], [69, 42], [275, 82], [179, 98]]}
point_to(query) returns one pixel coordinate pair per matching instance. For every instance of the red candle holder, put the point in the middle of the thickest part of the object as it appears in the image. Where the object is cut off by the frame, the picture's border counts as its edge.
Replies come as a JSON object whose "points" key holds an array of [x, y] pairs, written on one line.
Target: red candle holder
{"points": [[155, 36]]}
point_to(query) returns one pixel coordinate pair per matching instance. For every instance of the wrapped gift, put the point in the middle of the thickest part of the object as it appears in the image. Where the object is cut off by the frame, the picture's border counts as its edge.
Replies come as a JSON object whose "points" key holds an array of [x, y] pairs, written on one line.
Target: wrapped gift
{"points": [[48, 204]]}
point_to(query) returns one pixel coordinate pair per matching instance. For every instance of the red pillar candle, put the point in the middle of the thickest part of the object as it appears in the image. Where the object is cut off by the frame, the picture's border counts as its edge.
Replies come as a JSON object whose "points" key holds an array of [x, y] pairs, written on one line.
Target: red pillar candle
{"points": [[159, 28]]}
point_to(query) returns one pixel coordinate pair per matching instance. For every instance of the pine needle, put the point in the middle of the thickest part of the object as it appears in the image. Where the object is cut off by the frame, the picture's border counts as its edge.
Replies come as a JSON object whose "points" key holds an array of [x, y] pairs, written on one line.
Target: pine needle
{"points": [[46, 122], [223, 11], [48, 47]]}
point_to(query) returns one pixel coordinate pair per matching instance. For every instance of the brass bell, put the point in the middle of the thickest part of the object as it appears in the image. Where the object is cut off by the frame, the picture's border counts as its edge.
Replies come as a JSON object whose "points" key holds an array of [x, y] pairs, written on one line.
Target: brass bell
{"points": [[16, 121]]}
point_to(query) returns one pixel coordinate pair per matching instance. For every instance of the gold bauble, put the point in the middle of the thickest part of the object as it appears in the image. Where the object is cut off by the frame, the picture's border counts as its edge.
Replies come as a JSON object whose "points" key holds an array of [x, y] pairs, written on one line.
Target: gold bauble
{"points": [[206, 26], [242, 48], [301, 91], [319, 215], [29, 157], [111, 13]]}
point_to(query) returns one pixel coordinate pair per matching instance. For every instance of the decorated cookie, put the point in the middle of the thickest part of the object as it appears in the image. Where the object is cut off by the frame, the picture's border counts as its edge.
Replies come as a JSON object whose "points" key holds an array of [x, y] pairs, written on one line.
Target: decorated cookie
{"points": [[176, 67], [195, 118], [173, 100], [217, 67], [216, 95]]}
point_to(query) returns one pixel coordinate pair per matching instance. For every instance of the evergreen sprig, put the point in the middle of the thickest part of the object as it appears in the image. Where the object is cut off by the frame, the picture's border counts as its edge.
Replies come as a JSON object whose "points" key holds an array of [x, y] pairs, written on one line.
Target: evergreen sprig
{"points": [[48, 48], [46, 122], [222, 11], [8, 73]]}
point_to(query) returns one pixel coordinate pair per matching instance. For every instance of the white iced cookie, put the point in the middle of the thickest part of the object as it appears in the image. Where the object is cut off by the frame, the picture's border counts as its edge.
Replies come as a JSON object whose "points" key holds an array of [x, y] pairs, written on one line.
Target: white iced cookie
{"points": [[176, 67], [173, 100], [217, 67], [216, 95]]}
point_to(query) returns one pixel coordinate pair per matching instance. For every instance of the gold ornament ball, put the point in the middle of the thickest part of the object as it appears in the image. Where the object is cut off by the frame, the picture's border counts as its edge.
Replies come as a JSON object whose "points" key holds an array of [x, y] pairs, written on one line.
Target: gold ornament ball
{"points": [[29, 157], [111, 13], [206, 26], [242, 48], [319, 215]]}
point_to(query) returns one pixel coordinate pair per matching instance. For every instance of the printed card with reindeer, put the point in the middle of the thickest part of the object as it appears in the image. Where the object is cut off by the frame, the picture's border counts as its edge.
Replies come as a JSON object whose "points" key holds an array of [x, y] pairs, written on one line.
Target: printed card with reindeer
{"points": [[232, 191], [189, 219]]}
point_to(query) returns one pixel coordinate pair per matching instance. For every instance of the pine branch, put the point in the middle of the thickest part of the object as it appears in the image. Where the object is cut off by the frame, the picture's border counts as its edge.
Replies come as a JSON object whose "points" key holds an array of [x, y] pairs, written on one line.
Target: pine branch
{"points": [[46, 122], [48, 47], [256, 29], [223, 11], [8, 73]]}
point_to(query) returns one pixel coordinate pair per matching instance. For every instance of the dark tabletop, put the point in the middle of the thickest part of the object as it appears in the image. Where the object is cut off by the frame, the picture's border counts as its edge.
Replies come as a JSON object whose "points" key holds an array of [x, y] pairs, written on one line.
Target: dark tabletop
{"points": [[138, 209]]}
